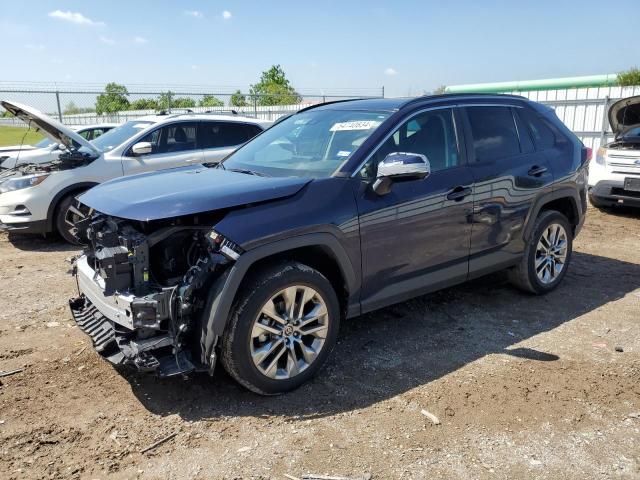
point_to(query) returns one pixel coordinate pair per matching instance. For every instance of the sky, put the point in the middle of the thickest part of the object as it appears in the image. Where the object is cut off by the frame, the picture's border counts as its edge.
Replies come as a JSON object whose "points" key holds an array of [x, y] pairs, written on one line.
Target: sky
{"points": [[409, 47]]}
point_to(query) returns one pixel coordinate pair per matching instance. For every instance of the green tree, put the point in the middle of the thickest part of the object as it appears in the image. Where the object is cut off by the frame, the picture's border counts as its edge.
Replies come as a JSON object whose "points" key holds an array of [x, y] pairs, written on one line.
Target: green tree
{"points": [[238, 99], [114, 99], [168, 100], [144, 104], [72, 109], [164, 100], [274, 88], [210, 101], [629, 77], [183, 102]]}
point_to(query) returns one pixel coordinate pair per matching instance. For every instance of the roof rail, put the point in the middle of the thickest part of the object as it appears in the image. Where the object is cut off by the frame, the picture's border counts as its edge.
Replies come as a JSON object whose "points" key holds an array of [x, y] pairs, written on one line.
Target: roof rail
{"points": [[311, 107], [443, 96], [188, 111]]}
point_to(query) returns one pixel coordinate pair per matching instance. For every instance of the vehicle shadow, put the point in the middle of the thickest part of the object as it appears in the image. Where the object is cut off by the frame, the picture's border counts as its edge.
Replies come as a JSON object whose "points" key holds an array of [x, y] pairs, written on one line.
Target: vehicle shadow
{"points": [[386, 353], [40, 243], [621, 211]]}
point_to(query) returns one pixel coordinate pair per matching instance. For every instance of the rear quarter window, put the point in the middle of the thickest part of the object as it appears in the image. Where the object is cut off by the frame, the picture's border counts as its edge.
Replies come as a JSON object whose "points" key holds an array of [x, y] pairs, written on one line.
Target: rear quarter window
{"points": [[542, 132]]}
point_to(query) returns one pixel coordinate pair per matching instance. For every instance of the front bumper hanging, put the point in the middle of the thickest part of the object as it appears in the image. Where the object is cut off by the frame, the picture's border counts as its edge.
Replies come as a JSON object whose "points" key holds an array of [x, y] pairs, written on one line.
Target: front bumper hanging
{"points": [[118, 345]]}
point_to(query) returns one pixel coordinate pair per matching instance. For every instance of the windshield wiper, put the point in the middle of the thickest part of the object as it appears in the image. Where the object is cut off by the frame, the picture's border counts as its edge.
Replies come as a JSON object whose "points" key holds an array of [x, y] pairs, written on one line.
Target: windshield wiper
{"points": [[246, 171]]}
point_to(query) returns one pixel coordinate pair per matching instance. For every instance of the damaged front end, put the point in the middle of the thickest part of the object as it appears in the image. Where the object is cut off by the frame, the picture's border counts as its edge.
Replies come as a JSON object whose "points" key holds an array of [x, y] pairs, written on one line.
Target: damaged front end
{"points": [[143, 289]]}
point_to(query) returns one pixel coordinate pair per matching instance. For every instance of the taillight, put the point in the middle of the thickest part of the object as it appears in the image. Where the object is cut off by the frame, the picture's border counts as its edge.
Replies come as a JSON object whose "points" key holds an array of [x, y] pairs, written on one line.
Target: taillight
{"points": [[589, 154]]}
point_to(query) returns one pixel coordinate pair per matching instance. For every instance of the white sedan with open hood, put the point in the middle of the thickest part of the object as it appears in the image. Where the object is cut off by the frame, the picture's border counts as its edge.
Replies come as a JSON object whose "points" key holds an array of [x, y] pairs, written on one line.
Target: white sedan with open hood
{"points": [[47, 150], [39, 197], [614, 176]]}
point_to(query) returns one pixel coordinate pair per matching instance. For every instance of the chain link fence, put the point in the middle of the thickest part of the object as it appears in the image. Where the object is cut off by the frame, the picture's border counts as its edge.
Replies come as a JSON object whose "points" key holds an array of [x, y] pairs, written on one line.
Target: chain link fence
{"points": [[78, 107]]}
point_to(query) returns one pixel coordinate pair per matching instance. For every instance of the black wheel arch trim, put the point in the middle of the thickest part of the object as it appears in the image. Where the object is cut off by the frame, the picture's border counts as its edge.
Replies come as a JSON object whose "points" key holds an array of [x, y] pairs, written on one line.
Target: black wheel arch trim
{"points": [[569, 193], [60, 195], [222, 293]]}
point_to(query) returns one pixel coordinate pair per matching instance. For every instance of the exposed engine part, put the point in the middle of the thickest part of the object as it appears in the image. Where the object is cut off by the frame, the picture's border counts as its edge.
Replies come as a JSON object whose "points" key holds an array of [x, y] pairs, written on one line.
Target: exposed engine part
{"points": [[161, 298]]}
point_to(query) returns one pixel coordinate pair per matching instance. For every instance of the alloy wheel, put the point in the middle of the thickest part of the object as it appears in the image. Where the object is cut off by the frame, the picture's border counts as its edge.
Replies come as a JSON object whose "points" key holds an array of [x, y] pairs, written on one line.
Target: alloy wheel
{"points": [[289, 332], [551, 253]]}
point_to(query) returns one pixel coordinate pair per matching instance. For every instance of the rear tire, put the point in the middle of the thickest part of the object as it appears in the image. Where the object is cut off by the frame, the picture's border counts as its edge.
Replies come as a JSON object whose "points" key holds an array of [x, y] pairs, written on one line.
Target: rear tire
{"points": [[63, 216], [282, 329], [547, 255]]}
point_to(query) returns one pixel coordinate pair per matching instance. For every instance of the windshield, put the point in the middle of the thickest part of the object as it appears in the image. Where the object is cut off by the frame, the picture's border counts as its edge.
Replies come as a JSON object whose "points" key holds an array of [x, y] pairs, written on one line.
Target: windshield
{"points": [[310, 144], [115, 137]]}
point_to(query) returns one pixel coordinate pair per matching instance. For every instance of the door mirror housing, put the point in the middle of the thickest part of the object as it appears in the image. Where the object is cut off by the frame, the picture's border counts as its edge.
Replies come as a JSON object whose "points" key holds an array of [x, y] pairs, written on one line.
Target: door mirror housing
{"points": [[400, 166], [142, 148]]}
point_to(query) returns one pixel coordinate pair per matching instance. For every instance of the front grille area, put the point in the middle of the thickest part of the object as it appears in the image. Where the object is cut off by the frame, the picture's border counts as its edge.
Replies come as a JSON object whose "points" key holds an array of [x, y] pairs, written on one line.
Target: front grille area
{"points": [[624, 193], [94, 324], [118, 345]]}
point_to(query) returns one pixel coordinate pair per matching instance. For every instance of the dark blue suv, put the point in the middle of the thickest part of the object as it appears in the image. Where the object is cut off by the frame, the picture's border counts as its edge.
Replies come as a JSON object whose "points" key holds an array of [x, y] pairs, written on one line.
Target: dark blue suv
{"points": [[337, 210]]}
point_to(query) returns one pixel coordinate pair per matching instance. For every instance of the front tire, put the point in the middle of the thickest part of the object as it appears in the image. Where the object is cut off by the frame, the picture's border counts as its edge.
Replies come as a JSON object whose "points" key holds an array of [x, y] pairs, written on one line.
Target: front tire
{"points": [[66, 214], [547, 255], [282, 329]]}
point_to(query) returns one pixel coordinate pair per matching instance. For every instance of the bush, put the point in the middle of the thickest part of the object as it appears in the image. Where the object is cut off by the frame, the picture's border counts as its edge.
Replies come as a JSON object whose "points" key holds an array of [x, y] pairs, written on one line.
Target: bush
{"points": [[629, 77]]}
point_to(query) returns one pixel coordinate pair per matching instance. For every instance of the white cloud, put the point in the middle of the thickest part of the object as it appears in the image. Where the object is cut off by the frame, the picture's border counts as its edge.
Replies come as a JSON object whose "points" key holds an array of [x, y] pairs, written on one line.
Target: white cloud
{"points": [[75, 17], [226, 15], [107, 40], [390, 71], [195, 67], [140, 40], [34, 48], [193, 13]]}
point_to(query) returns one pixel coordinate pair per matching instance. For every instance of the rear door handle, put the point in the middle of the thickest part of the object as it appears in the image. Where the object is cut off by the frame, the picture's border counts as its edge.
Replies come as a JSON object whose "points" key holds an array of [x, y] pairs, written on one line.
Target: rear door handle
{"points": [[459, 193], [536, 171]]}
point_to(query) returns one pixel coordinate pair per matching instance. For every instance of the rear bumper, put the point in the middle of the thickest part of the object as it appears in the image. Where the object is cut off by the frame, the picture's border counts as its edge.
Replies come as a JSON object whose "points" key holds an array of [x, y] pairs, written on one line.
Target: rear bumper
{"points": [[612, 192]]}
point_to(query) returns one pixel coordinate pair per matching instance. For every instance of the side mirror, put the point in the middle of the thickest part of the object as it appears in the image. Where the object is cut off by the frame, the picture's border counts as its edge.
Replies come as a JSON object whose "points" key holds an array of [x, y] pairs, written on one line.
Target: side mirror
{"points": [[142, 148], [400, 166]]}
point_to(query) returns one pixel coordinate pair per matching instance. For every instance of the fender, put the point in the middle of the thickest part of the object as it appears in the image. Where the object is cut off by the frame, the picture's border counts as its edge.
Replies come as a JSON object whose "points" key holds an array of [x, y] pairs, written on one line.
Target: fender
{"points": [[570, 193], [60, 195], [222, 293]]}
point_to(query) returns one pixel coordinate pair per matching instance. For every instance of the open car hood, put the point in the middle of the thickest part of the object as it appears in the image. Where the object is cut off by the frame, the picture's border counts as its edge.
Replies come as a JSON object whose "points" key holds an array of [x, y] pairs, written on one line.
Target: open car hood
{"points": [[624, 114], [185, 191], [53, 129]]}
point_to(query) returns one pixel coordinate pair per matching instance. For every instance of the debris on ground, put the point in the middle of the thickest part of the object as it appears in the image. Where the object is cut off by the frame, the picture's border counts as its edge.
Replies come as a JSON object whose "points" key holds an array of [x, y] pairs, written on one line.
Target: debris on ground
{"points": [[11, 372], [159, 442], [430, 416]]}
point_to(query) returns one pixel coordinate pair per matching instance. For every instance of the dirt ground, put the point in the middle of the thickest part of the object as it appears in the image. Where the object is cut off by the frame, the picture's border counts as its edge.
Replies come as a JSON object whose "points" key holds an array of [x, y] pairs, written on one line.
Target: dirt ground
{"points": [[524, 387]]}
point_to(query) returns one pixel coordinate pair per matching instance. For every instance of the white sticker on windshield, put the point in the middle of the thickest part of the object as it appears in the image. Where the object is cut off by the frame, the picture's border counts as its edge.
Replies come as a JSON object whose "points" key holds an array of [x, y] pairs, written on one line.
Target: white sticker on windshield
{"points": [[141, 125], [343, 153], [354, 125]]}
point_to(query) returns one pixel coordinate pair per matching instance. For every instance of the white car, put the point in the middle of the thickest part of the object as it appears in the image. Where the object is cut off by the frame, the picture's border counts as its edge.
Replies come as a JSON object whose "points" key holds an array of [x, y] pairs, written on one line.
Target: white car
{"points": [[39, 198], [614, 177], [46, 149]]}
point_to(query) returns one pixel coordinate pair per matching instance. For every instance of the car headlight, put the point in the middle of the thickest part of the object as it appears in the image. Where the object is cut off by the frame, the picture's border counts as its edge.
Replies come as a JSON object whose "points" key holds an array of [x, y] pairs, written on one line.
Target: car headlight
{"points": [[600, 154], [18, 183], [224, 246]]}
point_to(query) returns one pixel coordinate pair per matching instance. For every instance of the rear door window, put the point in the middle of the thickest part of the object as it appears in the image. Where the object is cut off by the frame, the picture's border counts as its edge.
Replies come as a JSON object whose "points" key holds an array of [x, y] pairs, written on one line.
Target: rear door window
{"points": [[176, 137], [225, 134], [494, 133]]}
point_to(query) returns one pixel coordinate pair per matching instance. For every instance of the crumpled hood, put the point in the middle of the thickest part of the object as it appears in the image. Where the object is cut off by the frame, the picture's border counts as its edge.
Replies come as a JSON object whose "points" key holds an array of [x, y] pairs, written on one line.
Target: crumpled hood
{"points": [[185, 191], [624, 114]]}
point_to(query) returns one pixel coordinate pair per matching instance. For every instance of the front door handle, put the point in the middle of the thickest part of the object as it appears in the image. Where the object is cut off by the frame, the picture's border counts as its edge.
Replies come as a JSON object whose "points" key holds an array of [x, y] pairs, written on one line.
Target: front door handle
{"points": [[459, 193], [536, 171]]}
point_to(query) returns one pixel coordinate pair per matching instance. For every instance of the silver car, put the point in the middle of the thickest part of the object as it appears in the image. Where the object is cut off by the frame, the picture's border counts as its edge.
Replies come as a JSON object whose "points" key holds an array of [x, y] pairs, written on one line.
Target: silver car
{"points": [[39, 197]]}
